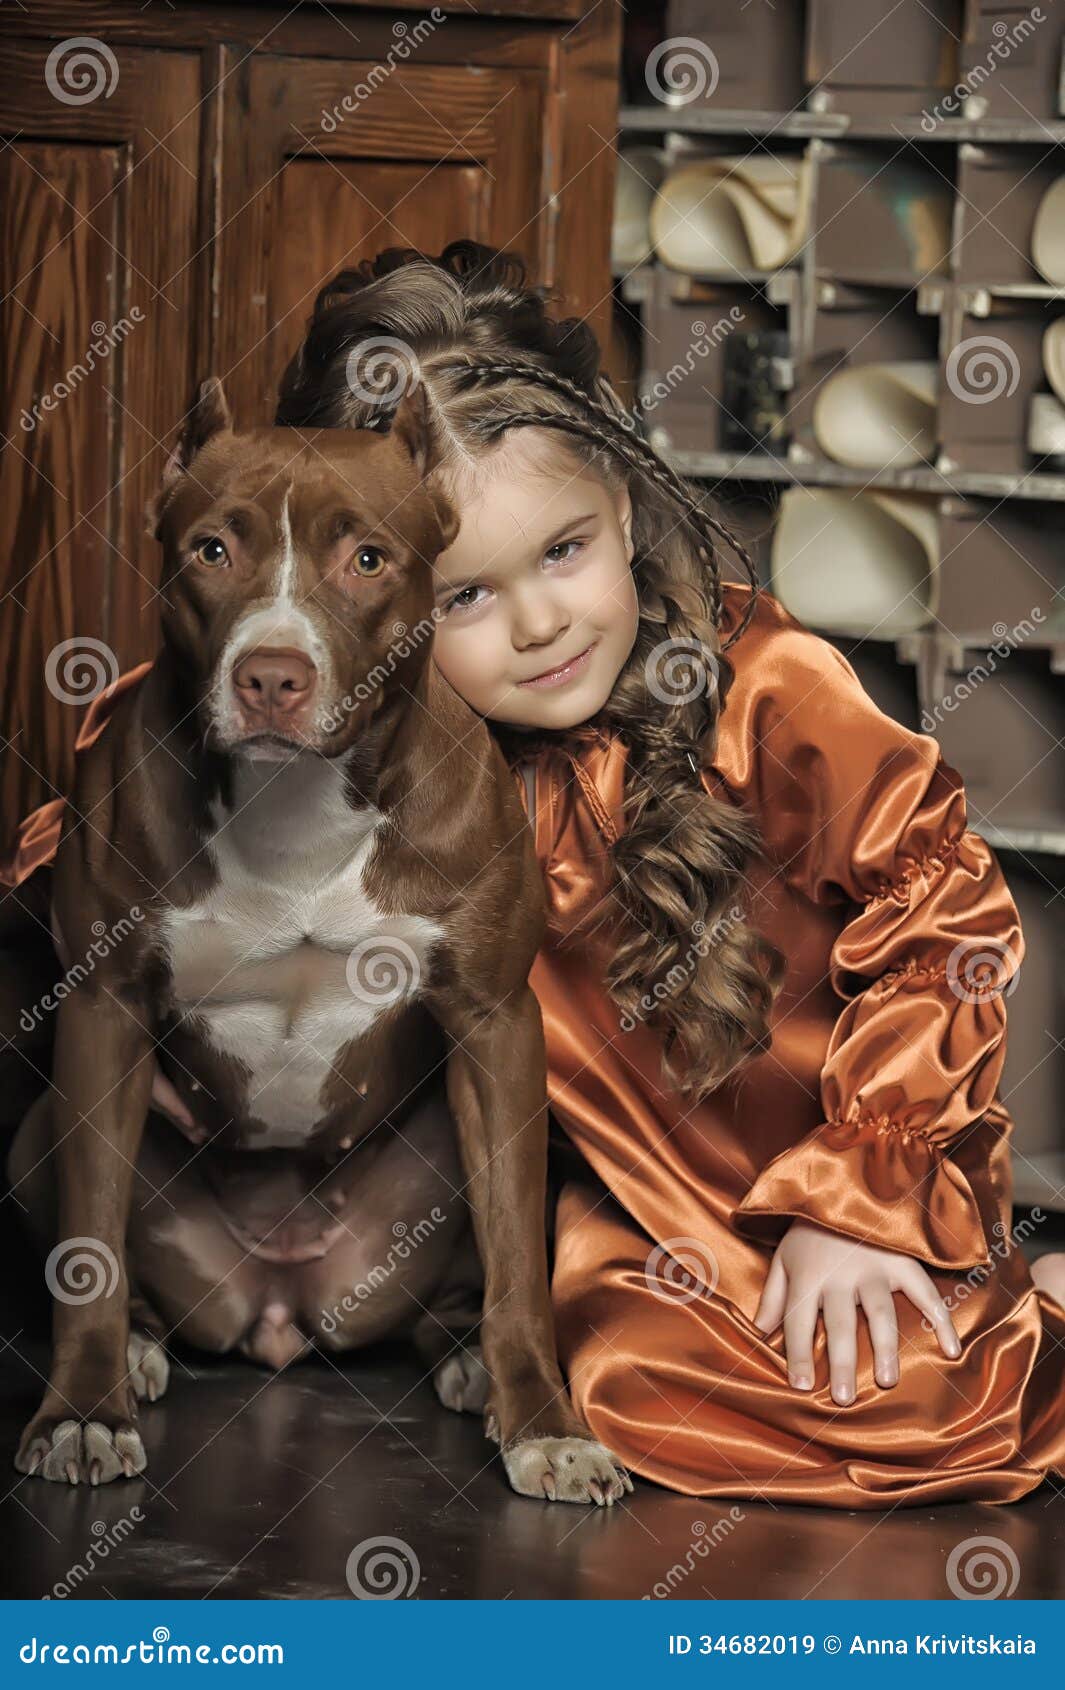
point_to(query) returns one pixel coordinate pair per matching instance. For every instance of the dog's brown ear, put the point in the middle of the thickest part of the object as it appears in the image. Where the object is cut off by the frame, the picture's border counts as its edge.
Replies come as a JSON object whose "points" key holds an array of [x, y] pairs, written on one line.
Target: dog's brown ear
{"points": [[412, 428], [207, 416]]}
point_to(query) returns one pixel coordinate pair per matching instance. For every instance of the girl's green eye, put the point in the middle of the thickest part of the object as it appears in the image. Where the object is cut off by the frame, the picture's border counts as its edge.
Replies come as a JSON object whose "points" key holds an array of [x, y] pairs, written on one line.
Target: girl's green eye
{"points": [[212, 552]]}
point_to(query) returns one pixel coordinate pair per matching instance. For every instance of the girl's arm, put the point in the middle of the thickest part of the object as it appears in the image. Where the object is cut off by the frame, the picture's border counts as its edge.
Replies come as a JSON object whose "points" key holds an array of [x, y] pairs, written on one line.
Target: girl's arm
{"points": [[863, 813]]}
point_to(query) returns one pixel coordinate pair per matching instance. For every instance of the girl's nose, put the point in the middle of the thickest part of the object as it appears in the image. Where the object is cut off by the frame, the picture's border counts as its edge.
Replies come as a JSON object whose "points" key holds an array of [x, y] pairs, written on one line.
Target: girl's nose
{"points": [[538, 619]]}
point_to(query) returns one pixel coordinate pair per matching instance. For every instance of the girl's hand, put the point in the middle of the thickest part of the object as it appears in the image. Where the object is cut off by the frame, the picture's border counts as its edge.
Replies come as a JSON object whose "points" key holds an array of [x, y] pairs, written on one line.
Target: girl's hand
{"points": [[818, 1270]]}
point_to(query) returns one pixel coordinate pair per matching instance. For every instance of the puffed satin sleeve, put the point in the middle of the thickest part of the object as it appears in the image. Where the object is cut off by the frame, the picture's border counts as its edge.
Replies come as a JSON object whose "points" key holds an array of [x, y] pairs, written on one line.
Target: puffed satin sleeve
{"points": [[861, 811]]}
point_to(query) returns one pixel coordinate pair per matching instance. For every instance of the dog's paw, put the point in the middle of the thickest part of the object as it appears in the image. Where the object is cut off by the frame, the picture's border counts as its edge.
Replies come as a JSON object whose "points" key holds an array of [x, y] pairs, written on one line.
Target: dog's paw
{"points": [[149, 1369], [566, 1470], [72, 1452], [462, 1381]]}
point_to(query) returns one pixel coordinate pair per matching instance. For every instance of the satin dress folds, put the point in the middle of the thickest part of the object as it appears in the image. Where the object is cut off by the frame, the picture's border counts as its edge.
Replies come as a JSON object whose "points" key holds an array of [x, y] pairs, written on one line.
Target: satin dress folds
{"points": [[875, 1113]]}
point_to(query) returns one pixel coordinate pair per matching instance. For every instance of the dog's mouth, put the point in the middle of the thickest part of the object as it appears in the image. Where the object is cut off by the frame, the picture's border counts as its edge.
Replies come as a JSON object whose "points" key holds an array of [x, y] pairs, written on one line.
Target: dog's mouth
{"points": [[266, 745]]}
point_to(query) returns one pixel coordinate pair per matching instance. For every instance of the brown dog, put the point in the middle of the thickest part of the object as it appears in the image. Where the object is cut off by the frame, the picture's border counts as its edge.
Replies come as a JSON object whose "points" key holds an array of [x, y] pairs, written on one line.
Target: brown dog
{"points": [[326, 896]]}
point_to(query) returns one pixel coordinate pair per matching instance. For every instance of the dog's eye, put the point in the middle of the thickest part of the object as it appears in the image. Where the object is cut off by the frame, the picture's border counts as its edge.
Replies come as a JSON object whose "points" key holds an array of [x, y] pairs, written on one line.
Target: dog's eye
{"points": [[368, 561], [212, 552]]}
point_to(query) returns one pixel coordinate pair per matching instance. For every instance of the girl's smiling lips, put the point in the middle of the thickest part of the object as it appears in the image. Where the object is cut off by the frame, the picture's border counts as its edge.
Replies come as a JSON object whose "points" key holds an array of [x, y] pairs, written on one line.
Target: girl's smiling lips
{"points": [[564, 672]]}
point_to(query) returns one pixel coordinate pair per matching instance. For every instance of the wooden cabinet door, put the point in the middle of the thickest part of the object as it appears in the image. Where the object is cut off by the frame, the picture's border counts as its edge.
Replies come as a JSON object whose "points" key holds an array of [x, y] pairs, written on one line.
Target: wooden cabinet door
{"points": [[98, 177], [339, 162]]}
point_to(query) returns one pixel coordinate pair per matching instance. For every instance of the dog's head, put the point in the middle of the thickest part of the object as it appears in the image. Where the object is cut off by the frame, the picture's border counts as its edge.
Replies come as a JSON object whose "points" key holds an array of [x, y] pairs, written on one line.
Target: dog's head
{"points": [[297, 573]]}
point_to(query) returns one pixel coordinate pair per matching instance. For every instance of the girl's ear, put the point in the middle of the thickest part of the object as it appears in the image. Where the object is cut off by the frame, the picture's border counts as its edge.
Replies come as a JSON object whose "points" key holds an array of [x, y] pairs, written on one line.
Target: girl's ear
{"points": [[446, 513], [623, 506]]}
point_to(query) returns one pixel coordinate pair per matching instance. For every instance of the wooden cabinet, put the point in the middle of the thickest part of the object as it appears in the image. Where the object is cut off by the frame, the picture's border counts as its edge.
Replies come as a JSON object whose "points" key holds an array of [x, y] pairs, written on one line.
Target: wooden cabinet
{"points": [[177, 185]]}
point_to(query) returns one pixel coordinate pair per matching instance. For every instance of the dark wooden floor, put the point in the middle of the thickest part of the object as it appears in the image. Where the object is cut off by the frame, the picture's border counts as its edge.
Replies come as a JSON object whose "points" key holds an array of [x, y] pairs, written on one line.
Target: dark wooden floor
{"points": [[262, 1485]]}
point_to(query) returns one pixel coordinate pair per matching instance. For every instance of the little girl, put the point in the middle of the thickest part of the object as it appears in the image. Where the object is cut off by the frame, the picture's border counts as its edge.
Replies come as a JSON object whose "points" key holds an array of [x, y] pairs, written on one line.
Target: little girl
{"points": [[774, 985]]}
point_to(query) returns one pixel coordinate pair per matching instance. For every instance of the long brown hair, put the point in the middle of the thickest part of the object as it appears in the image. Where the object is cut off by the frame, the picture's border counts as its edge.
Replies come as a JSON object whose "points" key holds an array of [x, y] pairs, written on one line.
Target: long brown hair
{"points": [[492, 359]]}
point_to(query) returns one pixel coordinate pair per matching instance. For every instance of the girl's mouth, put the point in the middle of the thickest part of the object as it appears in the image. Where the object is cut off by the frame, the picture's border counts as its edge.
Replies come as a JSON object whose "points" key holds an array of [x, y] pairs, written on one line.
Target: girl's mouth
{"points": [[564, 672]]}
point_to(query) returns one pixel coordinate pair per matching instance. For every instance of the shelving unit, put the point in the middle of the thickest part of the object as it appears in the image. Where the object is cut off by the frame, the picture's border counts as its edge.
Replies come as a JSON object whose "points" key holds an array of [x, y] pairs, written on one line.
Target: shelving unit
{"points": [[997, 507]]}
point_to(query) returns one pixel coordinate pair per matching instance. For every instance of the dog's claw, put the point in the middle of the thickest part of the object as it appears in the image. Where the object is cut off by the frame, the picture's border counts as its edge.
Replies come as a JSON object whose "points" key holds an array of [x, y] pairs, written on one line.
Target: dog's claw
{"points": [[72, 1472], [571, 1469], [94, 1473]]}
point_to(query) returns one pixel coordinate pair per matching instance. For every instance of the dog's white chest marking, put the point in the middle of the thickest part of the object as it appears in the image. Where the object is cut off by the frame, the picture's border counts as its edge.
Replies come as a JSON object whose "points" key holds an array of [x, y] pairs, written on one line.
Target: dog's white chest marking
{"points": [[288, 958]]}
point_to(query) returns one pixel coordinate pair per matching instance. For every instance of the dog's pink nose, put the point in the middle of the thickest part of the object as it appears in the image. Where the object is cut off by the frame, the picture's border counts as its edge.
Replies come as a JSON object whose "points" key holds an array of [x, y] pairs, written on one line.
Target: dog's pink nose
{"points": [[273, 683]]}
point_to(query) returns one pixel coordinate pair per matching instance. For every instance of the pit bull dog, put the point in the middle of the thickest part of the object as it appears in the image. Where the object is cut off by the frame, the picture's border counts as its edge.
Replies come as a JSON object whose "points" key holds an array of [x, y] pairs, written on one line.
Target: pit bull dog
{"points": [[313, 1040]]}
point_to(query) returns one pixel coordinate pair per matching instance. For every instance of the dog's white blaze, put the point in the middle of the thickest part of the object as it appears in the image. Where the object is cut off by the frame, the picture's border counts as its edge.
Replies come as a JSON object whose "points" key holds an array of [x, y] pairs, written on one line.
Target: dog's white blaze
{"points": [[286, 571], [279, 620], [260, 966]]}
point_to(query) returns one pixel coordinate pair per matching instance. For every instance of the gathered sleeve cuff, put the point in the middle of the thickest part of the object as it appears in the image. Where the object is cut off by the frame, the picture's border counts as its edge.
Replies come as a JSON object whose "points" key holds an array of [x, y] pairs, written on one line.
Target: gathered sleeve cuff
{"points": [[867, 813]]}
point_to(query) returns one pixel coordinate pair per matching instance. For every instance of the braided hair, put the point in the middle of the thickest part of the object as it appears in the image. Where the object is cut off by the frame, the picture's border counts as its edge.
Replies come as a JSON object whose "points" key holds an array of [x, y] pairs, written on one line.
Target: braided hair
{"points": [[494, 360]]}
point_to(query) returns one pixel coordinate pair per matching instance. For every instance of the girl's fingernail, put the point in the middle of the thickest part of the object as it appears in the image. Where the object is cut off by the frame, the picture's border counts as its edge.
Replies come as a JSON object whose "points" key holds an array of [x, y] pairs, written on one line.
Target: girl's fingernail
{"points": [[888, 1375], [842, 1393], [801, 1381]]}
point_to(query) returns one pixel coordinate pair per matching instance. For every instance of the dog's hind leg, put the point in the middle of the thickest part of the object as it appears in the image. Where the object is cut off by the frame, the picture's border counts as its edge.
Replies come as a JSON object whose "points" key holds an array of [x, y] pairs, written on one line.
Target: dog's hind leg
{"points": [[446, 1335]]}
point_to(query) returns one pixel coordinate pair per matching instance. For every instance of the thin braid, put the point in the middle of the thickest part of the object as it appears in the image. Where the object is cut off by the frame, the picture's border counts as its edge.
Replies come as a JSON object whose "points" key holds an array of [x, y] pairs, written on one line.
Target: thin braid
{"points": [[628, 445]]}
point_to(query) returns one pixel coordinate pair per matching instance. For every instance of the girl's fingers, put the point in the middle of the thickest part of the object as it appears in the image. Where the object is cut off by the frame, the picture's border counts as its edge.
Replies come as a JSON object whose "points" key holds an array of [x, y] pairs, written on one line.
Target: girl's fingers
{"points": [[879, 1306], [774, 1297], [841, 1330], [800, 1323], [924, 1296]]}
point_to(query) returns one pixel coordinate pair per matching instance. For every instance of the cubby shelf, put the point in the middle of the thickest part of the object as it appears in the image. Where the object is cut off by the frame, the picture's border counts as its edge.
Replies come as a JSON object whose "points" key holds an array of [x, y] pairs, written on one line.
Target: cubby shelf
{"points": [[763, 466], [831, 126], [924, 271]]}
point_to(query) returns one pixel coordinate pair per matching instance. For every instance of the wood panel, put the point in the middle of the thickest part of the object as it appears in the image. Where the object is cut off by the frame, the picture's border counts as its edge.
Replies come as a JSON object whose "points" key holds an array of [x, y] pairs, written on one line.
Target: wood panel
{"points": [[98, 262], [466, 133]]}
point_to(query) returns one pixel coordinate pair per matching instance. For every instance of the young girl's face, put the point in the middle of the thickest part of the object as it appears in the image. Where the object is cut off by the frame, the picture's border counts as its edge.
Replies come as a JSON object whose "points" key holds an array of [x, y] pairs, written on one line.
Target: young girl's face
{"points": [[536, 597]]}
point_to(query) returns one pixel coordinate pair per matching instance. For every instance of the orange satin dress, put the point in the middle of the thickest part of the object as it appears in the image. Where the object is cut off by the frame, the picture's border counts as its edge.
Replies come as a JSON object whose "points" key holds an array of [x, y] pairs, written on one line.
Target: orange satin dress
{"points": [[875, 1113]]}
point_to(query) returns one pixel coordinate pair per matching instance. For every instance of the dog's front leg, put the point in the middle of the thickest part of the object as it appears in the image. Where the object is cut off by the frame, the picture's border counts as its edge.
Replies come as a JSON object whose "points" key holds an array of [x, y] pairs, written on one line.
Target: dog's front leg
{"points": [[86, 1427], [497, 1089]]}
